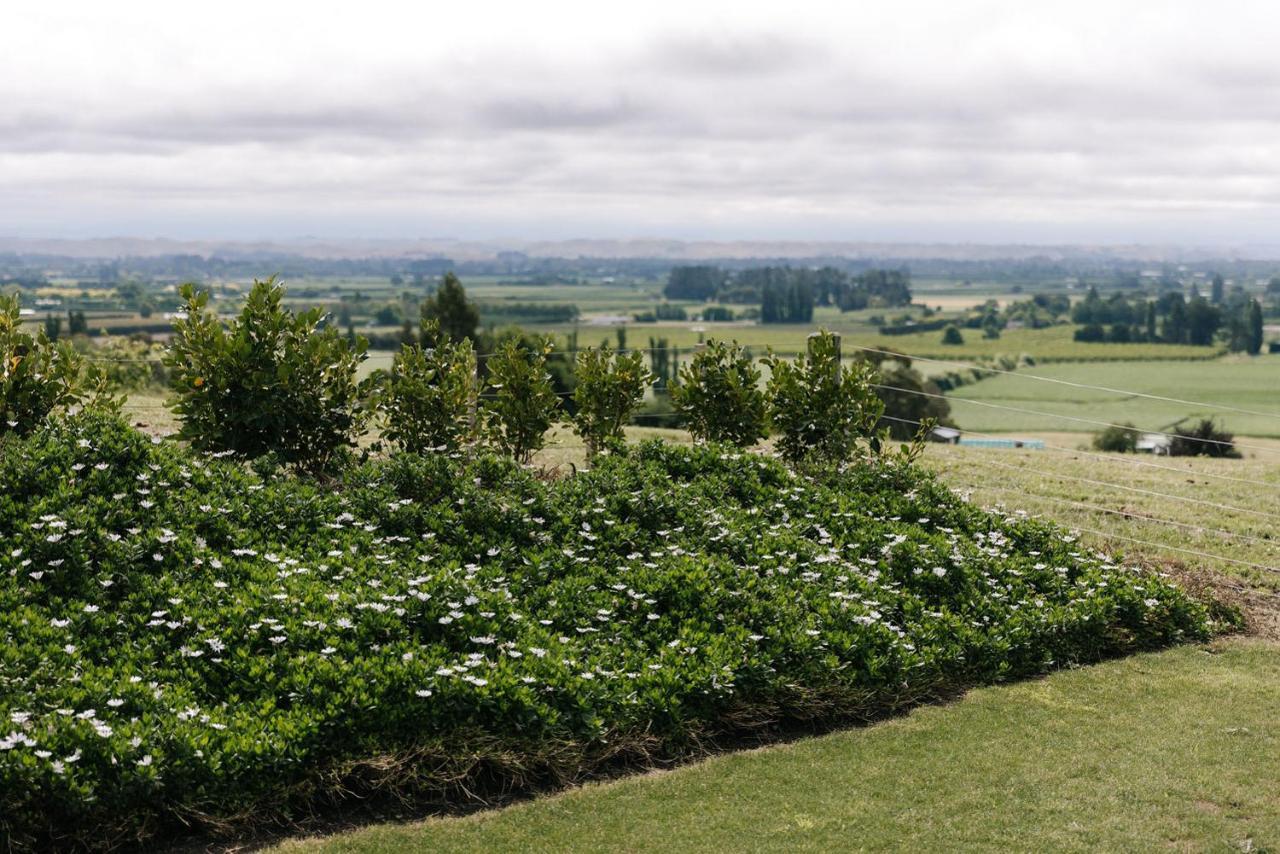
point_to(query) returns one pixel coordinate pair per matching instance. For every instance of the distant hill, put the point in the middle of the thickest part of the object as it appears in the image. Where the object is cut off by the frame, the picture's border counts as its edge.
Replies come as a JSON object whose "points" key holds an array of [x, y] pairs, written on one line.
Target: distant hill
{"points": [[674, 250]]}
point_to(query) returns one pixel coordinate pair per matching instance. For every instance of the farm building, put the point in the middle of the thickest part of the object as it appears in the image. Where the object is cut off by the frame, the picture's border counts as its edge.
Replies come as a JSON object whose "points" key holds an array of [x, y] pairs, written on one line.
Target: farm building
{"points": [[1152, 443]]}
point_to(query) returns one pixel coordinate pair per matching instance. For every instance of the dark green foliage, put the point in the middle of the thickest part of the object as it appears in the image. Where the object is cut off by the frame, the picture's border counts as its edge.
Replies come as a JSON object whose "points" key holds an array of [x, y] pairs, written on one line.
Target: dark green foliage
{"points": [[1203, 321], [219, 649], [610, 387], [1255, 328], [904, 392], [951, 335], [76, 323], [449, 311], [821, 411], [694, 283], [718, 396], [269, 382], [40, 377], [520, 404], [1122, 439], [1202, 439], [427, 401], [1090, 332]]}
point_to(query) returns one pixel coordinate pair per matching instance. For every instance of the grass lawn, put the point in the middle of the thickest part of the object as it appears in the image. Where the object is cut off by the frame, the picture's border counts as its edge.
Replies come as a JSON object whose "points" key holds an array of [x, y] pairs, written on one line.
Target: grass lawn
{"points": [[1177, 750], [1238, 381]]}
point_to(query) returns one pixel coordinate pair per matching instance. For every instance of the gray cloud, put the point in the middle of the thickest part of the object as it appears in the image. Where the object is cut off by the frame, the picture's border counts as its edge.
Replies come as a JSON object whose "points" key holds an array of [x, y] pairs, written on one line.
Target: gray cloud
{"points": [[1001, 119]]}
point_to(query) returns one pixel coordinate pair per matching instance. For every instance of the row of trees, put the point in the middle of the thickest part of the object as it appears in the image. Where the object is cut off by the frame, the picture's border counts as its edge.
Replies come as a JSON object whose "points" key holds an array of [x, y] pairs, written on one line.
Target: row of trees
{"points": [[1171, 319], [823, 286], [282, 386]]}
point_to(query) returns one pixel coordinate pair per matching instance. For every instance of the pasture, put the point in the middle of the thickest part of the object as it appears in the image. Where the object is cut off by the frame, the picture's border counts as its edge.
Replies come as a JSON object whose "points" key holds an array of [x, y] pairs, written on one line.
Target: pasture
{"points": [[1240, 382]]}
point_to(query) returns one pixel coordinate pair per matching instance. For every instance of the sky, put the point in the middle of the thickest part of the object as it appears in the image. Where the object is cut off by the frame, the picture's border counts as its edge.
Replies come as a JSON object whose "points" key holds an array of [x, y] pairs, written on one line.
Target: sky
{"points": [[953, 121]]}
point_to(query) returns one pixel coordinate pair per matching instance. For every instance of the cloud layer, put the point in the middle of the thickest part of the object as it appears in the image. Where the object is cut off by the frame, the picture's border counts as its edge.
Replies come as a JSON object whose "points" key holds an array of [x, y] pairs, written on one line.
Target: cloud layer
{"points": [[927, 120]]}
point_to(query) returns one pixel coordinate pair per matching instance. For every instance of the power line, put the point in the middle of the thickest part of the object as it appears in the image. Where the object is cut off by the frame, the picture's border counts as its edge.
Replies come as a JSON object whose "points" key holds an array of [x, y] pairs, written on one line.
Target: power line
{"points": [[1070, 383], [1125, 427], [1114, 458]]}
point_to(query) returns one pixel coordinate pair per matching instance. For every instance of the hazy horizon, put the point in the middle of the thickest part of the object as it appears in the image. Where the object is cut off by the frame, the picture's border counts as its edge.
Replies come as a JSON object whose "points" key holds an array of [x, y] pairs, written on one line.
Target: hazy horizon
{"points": [[925, 122]]}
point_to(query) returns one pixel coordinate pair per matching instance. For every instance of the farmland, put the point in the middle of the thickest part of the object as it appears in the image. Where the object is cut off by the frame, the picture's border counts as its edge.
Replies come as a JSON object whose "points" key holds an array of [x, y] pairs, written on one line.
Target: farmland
{"points": [[1232, 382], [794, 597]]}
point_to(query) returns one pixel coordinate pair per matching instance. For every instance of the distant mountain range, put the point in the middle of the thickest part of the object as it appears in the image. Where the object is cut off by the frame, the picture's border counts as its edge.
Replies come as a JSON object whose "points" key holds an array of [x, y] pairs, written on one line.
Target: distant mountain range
{"points": [[674, 250]]}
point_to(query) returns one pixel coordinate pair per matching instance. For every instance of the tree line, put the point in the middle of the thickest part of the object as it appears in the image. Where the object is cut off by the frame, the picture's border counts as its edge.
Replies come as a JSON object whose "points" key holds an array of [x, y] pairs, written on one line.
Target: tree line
{"points": [[789, 294]]}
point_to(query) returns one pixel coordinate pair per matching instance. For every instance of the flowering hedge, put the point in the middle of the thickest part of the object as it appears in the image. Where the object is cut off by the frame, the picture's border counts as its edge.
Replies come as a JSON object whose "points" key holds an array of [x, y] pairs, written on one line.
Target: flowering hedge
{"points": [[184, 644]]}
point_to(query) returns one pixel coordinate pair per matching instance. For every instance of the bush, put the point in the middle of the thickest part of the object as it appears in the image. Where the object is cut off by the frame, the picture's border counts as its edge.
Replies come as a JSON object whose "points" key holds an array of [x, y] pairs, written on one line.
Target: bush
{"points": [[819, 409], [951, 335], [428, 399], [1119, 440], [270, 382], [128, 364], [610, 387], [224, 650], [522, 404], [39, 377], [1090, 333], [1203, 439], [718, 396]]}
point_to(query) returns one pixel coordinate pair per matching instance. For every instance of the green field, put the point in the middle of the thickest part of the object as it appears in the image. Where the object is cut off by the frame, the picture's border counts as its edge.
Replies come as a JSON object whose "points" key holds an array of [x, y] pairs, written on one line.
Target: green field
{"points": [[1189, 760], [1241, 382]]}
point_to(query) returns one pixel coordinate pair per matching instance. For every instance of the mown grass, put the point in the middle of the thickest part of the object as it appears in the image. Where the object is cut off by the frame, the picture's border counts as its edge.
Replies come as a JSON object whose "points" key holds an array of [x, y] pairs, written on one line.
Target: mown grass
{"points": [[1177, 750], [1241, 382]]}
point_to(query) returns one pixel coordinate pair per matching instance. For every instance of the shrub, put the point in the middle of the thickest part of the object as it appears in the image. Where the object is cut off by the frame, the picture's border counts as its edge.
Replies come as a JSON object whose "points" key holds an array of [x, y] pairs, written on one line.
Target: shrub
{"points": [[428, 399], [227, 650], [1120, 440], [521, 405], [1090, 333], [819, 409], [1203, 439], [718, 396], [610, 387], [39, 377], [271, 382], [128, 364], [951, 335]]}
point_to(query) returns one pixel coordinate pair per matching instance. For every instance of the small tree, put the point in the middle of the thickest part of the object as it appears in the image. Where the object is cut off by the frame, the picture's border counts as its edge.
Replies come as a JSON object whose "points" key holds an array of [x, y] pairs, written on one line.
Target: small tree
{"points": [[1121, 439], [449, 310], [719, 398], [819, 409], [428, 399], [522, 404], [39, 377], [1202, 439], [610, 387], [951, 335], [271, 381]]}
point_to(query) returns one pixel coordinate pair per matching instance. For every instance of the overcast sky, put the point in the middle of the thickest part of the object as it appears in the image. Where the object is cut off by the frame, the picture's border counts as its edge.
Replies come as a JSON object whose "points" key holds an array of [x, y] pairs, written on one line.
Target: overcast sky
{"points": [[973, 121]]}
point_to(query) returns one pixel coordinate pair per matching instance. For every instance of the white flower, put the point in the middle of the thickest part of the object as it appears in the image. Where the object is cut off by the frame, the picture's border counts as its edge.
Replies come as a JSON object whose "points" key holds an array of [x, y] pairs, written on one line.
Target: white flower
{"points": [[423, 692]]}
